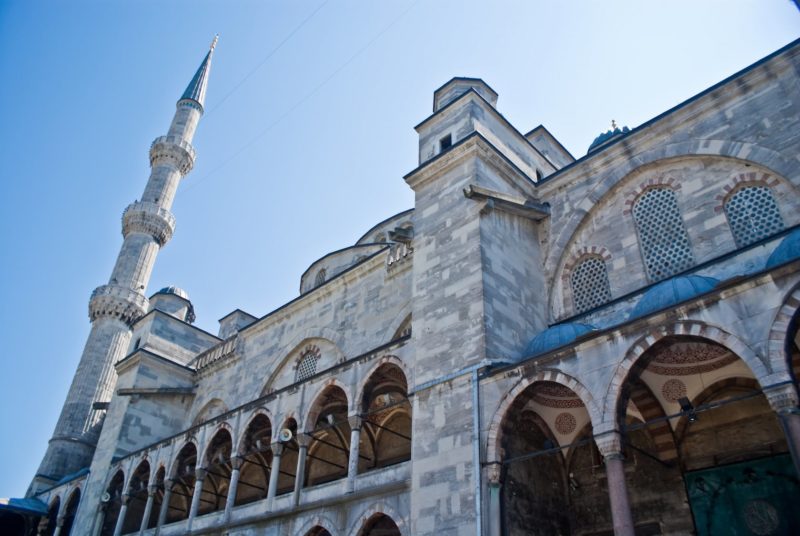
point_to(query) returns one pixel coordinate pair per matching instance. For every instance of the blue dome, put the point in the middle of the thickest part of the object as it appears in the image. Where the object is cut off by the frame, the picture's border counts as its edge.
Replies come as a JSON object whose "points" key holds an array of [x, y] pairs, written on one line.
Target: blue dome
{"points": [[787, 250], [672, 291], [556, 337], [607, 136]]}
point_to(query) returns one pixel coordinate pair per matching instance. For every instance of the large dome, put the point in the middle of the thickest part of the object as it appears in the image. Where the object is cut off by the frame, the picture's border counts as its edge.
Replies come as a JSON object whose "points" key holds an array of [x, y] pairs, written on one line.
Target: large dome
{"points": [[672, 291], [787, 250], [556, 337]]}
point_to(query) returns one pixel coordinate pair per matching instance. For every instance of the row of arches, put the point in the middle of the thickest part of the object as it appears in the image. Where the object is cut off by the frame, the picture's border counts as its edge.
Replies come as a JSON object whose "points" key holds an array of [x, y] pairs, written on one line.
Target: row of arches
{"points": [[268, 459], [705, 447]]}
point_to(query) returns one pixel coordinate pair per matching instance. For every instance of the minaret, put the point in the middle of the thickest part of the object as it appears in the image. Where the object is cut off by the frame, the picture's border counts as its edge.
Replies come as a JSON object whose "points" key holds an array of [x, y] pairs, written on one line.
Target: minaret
{"points": [[113, 308]]}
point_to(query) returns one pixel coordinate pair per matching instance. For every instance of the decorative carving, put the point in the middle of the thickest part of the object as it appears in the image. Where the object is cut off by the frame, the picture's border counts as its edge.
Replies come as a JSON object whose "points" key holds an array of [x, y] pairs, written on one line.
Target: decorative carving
{"points": [[684, 359], [493, 474], [172, 150], [609, 444], [782, 398], [673, 390], [117, 302], [554, 395], [398, 253], [761, 517], [150, 219], [565, 423]]}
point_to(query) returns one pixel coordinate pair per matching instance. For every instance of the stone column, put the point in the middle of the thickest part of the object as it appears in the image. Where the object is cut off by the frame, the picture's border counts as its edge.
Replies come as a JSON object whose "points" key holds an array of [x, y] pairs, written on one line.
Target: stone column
{"points": [[121, 517], [274, 471], [303, 442], [59, 524], [199, 476], [494, 483], [784, 401], [148, 508], [610, 446], [355, 440], [236, 465], [162, 514]]}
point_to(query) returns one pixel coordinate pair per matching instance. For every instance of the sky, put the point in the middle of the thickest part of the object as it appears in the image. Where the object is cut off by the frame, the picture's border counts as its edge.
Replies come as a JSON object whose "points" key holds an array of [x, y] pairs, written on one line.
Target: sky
{"points": [[307, 134]]}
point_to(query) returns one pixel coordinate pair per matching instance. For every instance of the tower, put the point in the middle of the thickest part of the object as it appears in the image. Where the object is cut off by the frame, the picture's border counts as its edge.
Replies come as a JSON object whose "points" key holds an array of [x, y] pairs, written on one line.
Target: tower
{"points": [[147, 225]]}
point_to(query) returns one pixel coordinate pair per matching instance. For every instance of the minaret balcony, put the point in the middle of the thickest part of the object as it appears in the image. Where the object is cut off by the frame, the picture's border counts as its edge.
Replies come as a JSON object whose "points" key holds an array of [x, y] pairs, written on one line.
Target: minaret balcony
{"points": [[148, 218], [172, 150], [117, 302]]}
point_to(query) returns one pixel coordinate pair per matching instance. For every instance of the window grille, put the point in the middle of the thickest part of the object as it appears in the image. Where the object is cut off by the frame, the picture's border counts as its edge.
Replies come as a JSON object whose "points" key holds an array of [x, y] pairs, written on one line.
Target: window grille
{"points": [[307, 365], [662, 236], [590, 287], [753, 214]]}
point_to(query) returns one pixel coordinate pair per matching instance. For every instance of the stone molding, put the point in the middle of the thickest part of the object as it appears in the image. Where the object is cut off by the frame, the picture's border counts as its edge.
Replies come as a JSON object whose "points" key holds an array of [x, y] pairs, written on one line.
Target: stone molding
{"points": [[117, 302], [609, 444], [782, 398], [150, 219], [172, 150]]}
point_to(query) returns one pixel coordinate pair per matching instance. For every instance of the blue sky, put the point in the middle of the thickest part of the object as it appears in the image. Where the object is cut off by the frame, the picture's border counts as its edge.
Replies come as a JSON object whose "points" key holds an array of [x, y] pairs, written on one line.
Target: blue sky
{"points": [[307, 133]]}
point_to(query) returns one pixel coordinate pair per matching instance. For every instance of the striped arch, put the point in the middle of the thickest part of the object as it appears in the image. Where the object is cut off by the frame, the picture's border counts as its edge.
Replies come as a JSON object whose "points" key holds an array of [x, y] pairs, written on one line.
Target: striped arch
{"points": [[494, 436], [778, 340], [355, 405], [691, 328], [650, 409], [177, 452], [317, 521], [201, 456], [720, 385], [313, 411], [260, 411], [378, 508]]}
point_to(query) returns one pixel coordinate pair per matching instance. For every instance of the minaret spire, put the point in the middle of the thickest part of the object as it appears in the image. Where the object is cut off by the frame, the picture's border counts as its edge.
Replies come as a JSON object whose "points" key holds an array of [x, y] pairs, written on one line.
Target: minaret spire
{"points": [[147, 225], [196, 90]]}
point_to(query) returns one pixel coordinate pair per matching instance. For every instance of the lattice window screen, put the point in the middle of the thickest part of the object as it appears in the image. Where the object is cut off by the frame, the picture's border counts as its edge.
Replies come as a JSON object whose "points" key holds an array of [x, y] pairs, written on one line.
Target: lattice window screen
{"points": [[590, 286], [753, 214], [662, 236], [307, 365]]}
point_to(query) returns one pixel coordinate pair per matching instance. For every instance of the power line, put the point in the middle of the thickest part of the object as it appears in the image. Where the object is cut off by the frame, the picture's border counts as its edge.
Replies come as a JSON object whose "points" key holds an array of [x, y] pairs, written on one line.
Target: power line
{"points": [[267, 57], [302, 100]]}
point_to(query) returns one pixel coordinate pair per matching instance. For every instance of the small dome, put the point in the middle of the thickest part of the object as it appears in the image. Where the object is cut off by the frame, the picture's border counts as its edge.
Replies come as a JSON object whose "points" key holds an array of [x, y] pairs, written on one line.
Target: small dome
{"points": [[787, 250], [672, 291], [177, 291], [606, 137], [556, 337]]}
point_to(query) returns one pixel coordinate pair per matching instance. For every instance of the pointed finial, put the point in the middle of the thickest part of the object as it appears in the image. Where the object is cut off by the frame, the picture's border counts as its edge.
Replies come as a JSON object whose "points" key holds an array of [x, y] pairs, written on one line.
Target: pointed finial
{"points": [[613, 124], [214, 42]]}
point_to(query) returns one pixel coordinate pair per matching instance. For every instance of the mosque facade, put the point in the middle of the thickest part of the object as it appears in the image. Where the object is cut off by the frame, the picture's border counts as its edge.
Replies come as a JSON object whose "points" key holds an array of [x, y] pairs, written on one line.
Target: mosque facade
{"points": [[540, 345]]}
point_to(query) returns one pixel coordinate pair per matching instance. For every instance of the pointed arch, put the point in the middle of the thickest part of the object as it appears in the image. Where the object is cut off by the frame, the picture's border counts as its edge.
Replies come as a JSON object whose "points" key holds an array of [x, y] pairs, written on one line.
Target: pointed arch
{"points": [[690, 329], [316, 521], [778, 339], [494, 435], [375, 509], [284, 371]]}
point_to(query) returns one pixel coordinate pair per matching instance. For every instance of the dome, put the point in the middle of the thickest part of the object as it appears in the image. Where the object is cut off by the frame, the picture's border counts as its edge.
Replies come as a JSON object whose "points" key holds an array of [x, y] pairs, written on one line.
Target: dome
{"points": [[672, 291], [606, 137], [177, 291], [787, 250], [556, 337]]}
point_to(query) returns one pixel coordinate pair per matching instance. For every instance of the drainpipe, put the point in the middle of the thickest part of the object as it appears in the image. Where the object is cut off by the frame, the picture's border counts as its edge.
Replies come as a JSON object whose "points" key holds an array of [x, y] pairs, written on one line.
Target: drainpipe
{"points": [[476, 451]]}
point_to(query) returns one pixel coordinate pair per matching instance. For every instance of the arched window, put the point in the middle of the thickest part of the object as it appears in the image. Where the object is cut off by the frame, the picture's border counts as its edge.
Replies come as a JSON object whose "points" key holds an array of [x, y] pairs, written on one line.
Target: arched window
{"points": [[307, 366], [320, 279], [752, 214], [590, 287], [662, 236]]}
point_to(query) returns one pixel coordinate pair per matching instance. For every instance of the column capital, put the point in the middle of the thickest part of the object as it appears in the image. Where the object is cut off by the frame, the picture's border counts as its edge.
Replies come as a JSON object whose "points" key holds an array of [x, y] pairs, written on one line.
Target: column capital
{"points": [[152, 489], [60, 520], [200, 473], [236, 462], [494, 473], [782, 398], [355, 422], [126, 497], [609, 444], [304, 440], [168, 483], [277, 449]]}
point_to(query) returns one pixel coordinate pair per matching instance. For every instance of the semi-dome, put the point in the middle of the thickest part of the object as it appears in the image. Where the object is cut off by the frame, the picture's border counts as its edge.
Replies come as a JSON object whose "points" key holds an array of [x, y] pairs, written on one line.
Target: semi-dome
{"points": [[177, 291], [556, 337], [672, 291], [607, 136], [787, 250]]}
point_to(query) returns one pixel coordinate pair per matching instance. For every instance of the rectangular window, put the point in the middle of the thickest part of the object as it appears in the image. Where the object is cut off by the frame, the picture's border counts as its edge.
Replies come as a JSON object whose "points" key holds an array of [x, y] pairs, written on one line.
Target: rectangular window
{"points": [[445, 143]]}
